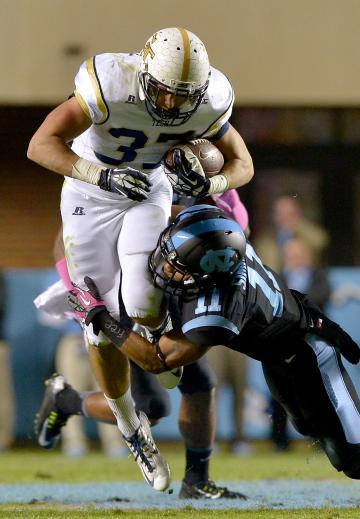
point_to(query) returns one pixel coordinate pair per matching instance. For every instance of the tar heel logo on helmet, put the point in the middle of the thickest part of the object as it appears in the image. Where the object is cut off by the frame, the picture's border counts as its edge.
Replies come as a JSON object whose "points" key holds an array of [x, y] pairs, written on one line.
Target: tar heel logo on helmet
{"points": [[217, 260]]}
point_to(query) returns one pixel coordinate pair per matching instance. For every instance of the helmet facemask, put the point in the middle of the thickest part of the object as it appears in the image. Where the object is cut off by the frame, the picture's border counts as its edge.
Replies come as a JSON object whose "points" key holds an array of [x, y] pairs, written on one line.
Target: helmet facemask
{"points": [[202, 247], [169, 273], [185, 97]]}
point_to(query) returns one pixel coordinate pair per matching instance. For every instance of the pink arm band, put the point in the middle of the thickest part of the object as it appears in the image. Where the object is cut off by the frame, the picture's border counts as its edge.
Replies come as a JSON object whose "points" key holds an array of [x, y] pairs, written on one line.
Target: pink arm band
{"points": [[62, 269], [230, 202]]}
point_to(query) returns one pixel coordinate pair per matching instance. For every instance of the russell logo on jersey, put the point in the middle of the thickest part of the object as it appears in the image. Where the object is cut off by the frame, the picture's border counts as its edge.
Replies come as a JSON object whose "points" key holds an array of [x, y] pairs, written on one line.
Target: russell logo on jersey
{"points": [[79, 211]]}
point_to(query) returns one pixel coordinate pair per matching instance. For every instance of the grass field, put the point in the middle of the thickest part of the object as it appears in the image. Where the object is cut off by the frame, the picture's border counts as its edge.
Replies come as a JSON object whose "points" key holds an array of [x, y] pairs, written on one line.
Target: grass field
{"points": [[36, 467]]}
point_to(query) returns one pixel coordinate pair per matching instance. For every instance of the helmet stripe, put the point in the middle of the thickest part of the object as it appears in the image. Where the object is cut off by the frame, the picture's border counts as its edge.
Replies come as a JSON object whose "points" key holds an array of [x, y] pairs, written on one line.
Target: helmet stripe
{"points": [[186, 63], [203, 227]]}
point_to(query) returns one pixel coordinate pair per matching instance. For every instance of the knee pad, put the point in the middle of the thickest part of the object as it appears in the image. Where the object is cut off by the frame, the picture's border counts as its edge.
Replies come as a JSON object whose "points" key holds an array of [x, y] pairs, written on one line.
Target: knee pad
{"points": [[197, 378]]}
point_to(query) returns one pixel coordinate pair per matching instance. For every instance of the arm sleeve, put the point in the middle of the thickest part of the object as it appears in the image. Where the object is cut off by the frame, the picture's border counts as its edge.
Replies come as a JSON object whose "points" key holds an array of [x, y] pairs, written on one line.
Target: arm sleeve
{"points": [[209, 335], [90, 88], [221, 100]]}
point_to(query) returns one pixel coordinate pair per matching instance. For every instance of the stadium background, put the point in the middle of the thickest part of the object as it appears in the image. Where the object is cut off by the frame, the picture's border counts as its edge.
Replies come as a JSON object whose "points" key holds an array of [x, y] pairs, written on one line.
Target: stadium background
{"points": [[294, 67]]}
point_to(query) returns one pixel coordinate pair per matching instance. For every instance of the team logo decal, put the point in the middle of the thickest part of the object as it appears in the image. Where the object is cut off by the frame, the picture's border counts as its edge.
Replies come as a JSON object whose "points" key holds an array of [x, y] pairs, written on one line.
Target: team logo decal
{"points": [[217, 260], [131, 99], [148, 51], [79, 211]]}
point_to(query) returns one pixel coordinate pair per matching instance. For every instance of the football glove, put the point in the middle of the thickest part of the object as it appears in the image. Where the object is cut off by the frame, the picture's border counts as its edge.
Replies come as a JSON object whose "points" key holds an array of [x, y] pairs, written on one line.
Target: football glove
{"points": [[336, 336], [86, 303], [319, 324], [127, 182], [186, 176], [90, 309]]}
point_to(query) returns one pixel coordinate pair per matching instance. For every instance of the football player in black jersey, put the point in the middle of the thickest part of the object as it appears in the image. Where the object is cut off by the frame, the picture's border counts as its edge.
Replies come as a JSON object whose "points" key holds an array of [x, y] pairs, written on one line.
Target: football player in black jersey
{"points": [[227, 296]]}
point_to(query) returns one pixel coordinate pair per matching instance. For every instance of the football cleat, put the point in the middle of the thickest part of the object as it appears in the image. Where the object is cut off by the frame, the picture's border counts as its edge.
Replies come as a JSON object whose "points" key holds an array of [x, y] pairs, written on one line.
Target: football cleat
{"points": [[207, 490], [49, 420], [153, 466]]}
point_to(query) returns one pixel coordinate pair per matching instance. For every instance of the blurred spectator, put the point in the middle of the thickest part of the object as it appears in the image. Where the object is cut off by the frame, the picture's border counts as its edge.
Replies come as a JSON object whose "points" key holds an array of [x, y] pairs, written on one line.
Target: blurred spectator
{"points": [[300, 273], [289, 221], [229, 366], [7, 400]]}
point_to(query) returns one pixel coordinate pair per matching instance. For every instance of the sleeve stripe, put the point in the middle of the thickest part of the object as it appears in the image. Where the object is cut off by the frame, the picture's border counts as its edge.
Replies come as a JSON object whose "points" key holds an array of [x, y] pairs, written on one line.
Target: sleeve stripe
{"points": [[216, 125], [210, 320], [220, 133], [100, 100], [82, 103]]}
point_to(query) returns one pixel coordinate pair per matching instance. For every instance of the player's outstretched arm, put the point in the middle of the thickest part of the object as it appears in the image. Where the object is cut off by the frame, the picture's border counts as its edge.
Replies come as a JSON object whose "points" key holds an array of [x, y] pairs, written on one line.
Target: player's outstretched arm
{"points": [[173, 351]]}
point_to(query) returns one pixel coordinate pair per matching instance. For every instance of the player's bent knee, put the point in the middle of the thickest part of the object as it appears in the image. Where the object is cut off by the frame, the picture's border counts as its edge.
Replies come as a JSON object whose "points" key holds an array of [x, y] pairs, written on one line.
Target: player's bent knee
{"points": [[197, 378], [155, 407]]}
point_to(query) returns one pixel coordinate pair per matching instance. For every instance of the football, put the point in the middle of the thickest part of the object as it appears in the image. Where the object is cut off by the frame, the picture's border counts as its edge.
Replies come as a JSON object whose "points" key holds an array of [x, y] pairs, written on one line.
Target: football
{"points": [[170, 379], [209, 156]]}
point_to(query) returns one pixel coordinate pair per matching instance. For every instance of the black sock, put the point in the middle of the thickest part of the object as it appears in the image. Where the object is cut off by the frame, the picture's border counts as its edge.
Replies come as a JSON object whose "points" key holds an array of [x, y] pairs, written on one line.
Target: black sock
{"points": [[69, 402], [197, 465]]}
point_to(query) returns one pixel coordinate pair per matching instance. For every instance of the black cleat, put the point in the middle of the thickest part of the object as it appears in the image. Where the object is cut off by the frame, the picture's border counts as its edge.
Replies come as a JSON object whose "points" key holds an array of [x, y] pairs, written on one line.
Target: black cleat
{"points": [[49, 420], [207, 490]]}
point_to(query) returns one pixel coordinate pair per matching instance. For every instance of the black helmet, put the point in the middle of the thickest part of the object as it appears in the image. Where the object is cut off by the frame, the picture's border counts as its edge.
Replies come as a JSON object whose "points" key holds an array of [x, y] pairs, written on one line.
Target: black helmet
{"points": [[203, 244]]}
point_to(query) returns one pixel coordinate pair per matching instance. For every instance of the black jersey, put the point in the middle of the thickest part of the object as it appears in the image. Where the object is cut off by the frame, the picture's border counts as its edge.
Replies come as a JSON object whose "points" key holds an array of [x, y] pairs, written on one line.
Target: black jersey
{"points": [[248, 313]]}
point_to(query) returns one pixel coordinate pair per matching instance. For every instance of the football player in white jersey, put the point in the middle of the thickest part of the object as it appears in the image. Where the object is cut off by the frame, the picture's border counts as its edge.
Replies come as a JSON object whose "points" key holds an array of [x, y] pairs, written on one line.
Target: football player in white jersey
{"points": [[126, 112]]}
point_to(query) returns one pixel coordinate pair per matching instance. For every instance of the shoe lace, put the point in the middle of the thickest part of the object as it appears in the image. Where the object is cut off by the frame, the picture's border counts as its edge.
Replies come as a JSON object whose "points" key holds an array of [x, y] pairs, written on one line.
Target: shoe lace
{"points": [[209, 487], [142, 447], [56, 420], [212, 488]]}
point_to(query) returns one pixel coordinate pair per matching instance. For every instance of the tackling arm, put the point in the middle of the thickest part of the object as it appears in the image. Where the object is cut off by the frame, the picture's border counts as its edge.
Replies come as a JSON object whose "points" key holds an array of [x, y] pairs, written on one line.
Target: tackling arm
{"points": [[175, 349], [238, 167]]}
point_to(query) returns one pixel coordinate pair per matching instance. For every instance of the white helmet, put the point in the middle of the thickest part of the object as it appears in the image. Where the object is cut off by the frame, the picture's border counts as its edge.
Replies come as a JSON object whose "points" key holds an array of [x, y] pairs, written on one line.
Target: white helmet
{"points": [[174, 61]]}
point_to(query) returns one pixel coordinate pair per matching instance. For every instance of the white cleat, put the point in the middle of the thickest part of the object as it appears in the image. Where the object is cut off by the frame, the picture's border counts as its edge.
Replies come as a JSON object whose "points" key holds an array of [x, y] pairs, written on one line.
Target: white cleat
{"points": [[153, 466]]}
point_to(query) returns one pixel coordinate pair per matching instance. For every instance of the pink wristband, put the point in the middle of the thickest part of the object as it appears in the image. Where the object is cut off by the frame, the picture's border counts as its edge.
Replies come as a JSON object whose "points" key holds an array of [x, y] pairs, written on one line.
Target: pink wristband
{"points": [[61, 267]]}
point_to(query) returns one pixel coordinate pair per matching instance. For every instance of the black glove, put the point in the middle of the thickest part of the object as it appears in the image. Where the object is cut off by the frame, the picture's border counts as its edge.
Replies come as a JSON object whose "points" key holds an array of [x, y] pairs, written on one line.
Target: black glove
{"points": [[128, 182], [184, 180], [323, 327], [337, 337]]}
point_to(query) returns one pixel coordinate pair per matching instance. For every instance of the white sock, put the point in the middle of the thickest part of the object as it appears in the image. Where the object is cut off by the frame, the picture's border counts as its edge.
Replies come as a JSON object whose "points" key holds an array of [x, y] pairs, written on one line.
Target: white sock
{"points": [[123, 408]]}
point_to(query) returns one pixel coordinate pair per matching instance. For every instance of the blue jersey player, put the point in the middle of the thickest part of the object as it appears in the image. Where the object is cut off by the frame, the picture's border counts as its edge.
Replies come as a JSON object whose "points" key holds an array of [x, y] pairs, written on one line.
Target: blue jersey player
{"points": [[226, 295]]}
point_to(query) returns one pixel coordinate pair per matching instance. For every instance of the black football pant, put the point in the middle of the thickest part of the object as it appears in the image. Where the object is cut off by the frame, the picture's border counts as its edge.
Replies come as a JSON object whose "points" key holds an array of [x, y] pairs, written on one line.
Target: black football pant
{"points": [[316, 391], [153, 399]]}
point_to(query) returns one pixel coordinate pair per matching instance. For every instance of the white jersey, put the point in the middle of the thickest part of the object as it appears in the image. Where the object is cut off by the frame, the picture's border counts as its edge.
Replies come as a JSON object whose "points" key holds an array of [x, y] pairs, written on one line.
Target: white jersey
{"points": [[123, 133]]}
